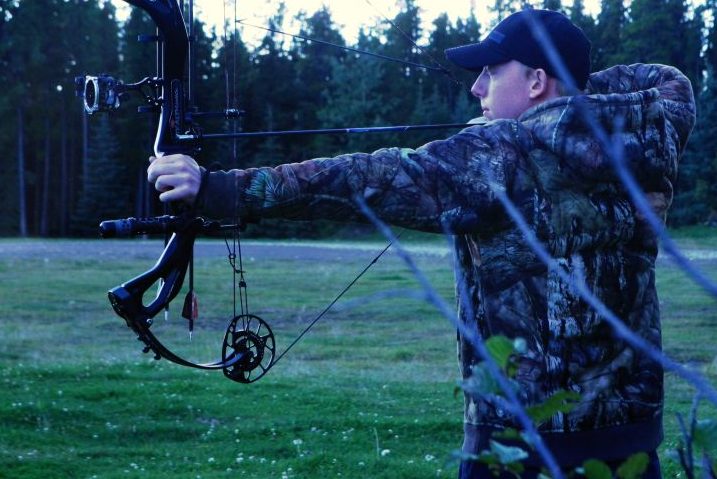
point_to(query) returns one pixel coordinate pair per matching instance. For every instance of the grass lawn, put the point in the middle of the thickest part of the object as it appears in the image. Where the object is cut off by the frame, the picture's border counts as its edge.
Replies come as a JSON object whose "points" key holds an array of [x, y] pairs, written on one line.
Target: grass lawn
{"points": [[369, 392]]}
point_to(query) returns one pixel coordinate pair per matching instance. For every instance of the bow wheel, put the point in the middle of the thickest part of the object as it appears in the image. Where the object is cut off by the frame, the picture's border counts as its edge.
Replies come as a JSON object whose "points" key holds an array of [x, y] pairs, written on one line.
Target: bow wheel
{"points": [[248, 348]]}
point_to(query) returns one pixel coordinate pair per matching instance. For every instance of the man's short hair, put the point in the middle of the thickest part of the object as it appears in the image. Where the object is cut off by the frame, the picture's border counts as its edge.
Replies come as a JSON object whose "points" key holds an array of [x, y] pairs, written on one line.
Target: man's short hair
{"points": [[514, 39]]}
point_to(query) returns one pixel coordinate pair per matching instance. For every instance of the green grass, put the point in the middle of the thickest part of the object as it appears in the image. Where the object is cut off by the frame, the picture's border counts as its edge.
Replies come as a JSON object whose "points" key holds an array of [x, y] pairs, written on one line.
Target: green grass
{"points": [[369, 392]]}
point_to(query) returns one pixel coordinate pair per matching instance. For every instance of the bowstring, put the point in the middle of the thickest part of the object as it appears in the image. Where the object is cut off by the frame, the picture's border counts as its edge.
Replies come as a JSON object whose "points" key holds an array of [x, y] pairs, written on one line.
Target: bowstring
{"points": [[239, 287], [334, 301]]}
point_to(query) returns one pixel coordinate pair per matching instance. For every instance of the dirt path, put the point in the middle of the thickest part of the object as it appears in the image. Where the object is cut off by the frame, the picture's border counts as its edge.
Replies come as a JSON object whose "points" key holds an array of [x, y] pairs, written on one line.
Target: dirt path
{"points": [[298, 250], [150, 249]]}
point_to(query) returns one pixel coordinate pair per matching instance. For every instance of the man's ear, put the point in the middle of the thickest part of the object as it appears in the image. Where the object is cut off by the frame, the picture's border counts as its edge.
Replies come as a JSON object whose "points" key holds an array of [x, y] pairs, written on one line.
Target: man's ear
{"points": [[539, 83]]}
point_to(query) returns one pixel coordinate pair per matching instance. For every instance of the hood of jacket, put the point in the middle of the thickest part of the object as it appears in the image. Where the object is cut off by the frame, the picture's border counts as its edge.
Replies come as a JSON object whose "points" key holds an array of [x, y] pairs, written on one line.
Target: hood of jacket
{"points": [[637, 115]]}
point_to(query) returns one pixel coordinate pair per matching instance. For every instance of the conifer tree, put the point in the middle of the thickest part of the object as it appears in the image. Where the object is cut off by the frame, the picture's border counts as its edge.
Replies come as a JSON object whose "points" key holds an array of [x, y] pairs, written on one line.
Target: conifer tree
{"points": [[696, 189], [104, 193], [609, 34], [660, 31]]}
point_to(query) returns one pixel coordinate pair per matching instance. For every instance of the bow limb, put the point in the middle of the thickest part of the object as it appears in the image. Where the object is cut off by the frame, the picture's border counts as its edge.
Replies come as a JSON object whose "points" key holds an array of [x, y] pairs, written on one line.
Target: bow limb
{"points": [[128, 302]]}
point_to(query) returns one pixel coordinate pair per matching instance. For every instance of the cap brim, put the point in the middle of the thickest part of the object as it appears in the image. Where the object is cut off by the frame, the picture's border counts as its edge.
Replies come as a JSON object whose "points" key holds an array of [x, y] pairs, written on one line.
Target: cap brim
{"points": [[475, 56]]}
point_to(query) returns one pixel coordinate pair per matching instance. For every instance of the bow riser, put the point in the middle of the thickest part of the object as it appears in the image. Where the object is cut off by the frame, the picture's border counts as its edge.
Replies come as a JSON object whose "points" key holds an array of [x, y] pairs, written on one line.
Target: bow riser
{"points": [[173, 131]]}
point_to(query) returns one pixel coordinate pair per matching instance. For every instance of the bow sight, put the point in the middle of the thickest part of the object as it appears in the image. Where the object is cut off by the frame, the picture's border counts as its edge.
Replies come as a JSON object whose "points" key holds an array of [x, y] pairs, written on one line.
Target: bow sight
{"points": [[102, 93]]}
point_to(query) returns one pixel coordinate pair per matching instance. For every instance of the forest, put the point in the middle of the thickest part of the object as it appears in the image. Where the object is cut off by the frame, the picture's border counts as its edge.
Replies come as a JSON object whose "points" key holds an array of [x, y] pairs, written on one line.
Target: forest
{"points": [[64, 171]]}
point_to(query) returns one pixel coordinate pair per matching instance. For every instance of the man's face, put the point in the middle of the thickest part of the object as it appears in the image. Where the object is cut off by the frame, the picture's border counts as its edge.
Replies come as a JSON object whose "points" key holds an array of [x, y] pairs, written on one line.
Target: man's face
{"points": [[503, 90]]}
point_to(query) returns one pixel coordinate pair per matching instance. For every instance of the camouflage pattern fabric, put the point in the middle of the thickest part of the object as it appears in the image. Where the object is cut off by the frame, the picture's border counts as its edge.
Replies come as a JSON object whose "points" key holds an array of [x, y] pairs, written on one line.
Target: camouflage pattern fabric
{"points": [[553, 169]]}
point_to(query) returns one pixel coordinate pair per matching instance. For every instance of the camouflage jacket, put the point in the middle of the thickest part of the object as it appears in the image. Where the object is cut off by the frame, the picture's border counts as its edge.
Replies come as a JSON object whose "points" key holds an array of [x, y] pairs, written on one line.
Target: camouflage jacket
{"points": [[551, 166]]}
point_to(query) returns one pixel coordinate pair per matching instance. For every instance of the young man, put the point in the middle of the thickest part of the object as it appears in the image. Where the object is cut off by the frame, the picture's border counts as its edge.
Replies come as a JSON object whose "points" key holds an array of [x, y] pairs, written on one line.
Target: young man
{"points": [[537, 147]]}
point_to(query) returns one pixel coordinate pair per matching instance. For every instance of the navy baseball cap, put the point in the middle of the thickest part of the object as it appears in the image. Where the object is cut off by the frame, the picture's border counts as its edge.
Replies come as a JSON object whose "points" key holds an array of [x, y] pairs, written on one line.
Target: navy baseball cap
{"points": [[513, 39]]}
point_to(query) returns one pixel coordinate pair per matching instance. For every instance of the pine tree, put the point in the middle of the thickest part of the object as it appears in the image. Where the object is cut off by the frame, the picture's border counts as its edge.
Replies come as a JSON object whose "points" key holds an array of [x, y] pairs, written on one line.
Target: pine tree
{"points": [[352, 99], [104, 194], [314, 64], [555, 5], [696, 189], [660, 31], [453, 90], [608, 37], [587, 25]]}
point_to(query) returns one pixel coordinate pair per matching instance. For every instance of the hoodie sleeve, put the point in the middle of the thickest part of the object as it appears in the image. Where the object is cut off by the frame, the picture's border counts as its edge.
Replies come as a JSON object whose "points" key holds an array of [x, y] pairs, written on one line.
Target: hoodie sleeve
{"points": [[445, 185]]}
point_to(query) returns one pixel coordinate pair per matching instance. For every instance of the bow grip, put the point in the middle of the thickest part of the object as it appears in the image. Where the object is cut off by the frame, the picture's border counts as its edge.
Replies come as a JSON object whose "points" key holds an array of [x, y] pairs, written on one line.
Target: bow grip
{"points": [[127, 299]]}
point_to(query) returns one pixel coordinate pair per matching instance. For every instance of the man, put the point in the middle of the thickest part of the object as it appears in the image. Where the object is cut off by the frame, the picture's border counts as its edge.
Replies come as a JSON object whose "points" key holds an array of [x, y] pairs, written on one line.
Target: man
{"points": [[538, 149]]}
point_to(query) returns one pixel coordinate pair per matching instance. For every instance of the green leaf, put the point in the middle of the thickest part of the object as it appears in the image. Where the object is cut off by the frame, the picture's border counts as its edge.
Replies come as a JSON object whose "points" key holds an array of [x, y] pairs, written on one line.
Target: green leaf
{"points": [[510, 433], [561, 401], [634, 466], [516, 468], [500, 349], [480, 383], [594, 469], [461, 455], [507, 454], [485, 457]]}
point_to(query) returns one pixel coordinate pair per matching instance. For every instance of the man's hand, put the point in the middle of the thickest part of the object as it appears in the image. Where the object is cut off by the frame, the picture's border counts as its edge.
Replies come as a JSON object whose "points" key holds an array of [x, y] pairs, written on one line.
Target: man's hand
{"points": [[176, 177]]}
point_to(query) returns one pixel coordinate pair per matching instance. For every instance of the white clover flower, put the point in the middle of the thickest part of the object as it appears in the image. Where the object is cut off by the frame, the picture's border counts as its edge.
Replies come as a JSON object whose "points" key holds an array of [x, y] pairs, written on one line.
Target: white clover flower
{"points": [[429, 457], [385, 452]]}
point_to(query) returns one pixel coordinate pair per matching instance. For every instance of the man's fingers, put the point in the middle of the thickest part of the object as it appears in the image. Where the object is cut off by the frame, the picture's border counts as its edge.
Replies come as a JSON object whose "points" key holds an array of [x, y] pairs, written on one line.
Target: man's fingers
{"points": [[175, 188], [173, 164], [181, 193], [176, 177], [164, 183]]}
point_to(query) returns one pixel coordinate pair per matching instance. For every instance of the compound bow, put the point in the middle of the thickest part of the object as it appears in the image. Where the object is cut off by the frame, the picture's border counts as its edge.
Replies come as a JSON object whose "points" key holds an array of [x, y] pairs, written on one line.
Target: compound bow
{"points": [[248, 349]]}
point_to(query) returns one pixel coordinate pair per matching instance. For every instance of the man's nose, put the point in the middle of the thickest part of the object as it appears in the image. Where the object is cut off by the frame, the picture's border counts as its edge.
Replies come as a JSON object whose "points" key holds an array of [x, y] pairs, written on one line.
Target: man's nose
{"points": [[478, 89]]}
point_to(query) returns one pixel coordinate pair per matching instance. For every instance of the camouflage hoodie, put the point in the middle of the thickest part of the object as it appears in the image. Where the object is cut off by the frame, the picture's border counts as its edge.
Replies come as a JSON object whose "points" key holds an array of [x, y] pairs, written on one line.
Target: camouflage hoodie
{"points": [[551, 166]]}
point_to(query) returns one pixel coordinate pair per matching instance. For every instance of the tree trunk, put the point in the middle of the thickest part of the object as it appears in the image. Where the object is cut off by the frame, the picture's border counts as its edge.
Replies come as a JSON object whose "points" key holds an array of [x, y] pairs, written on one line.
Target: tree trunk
{"points": [[85, 144], [21, 173], [45, 200], [64, 177]]}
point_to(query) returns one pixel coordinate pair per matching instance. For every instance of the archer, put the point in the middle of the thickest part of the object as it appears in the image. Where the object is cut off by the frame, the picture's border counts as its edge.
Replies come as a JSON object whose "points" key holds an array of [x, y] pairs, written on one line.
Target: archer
{"points": [[537, 149]]}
